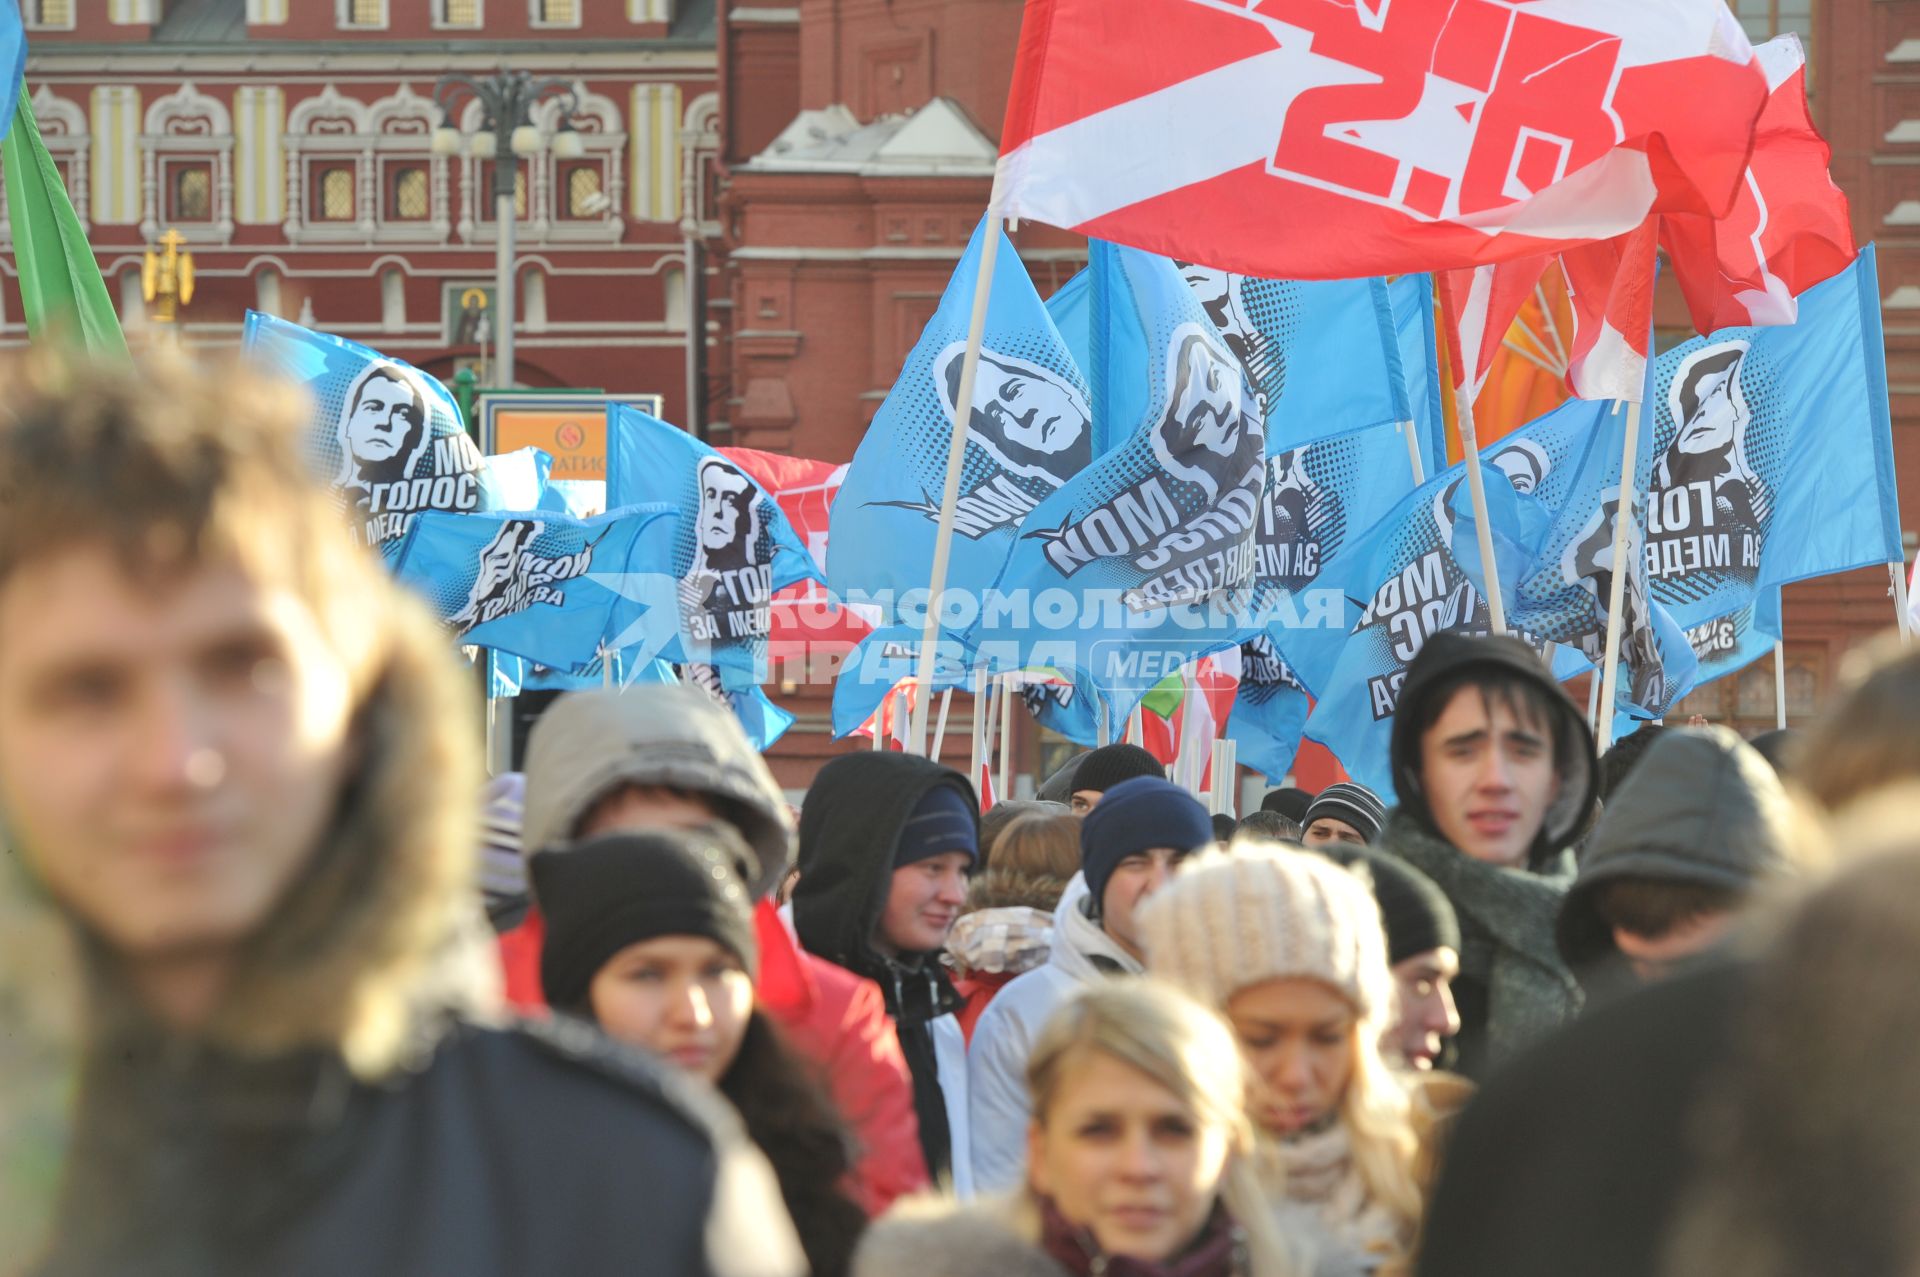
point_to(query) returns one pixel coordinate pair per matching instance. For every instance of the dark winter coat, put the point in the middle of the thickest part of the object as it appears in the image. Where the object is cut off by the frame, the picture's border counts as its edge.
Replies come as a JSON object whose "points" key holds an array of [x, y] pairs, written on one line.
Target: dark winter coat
{"points": [[850, 826], [504, 1152], [1571, 1158], [1513, 987]]}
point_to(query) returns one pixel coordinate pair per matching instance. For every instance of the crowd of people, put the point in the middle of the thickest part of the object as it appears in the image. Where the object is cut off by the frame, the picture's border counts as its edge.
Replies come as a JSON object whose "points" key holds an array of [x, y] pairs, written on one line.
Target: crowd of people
{"points": [[343, 1004]]}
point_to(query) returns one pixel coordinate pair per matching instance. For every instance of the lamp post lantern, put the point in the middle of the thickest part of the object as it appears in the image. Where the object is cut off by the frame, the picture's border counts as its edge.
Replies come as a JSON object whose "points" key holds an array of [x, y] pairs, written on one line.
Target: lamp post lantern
{"points": [[507, 135]]}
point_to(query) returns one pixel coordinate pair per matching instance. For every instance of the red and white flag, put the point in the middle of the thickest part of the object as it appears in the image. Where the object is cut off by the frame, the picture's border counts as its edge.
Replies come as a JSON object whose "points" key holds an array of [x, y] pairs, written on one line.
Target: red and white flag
{"points": [[1789, 228], [804, 613], [1478, 306], [1610, 288], [1305, 139]]}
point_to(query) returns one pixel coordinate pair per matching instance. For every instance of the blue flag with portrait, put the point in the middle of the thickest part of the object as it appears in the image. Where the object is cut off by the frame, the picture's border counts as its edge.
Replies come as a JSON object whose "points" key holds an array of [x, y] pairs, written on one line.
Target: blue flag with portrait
{"points": [[735, 545], [1772, 457], [1322, 356], [1552, 495], [1144, 559], [547, 587], [1029, 430], [385, 435]]}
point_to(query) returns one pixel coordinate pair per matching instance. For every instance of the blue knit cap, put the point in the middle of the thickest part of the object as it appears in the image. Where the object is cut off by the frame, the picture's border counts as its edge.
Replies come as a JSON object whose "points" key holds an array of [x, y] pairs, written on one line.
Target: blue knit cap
{"points": [[1134, 816], [942, 821]]}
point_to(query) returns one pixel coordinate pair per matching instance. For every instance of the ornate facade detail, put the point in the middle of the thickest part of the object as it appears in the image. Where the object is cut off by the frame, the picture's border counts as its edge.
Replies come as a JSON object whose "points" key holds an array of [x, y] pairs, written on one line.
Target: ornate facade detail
{"points": [[182, 131]]}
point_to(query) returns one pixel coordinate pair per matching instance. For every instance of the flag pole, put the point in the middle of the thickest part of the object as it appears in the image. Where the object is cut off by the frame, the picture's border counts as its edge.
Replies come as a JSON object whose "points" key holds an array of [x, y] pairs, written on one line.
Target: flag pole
{"points": [[1408, 429], [956, 456], [1470, 453], [880, 718], [1898, 571], [1593, 700], [1780, 685], [1005, 789], [940, 729], [1136, 727], [979, 723], [1617, 583], [1483, 527], [1105, 736]]}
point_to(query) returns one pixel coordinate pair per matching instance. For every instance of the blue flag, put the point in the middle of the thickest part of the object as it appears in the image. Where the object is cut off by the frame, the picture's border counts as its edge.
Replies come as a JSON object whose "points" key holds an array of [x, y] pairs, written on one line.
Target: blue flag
{"points": [[735, 546], [520, 478], [1419, 573], [1322, 356], [1269, 712], [1773, 454], [1412, 298], [387, 436], [547, 587], [1063, 706], [1030, 429], [1728, 644], [881, 660], [1146, 558]]}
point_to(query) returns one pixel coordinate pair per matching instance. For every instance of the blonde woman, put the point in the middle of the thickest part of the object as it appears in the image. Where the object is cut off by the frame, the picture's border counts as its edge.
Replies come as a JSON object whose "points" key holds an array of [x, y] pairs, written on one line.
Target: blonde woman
{"points": [[1136, 1159], [1288, 948]]}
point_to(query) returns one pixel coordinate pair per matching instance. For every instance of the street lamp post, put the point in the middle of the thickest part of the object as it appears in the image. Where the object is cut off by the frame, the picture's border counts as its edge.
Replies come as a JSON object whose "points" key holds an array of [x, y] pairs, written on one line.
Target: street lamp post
{"points": [[508, 134]]}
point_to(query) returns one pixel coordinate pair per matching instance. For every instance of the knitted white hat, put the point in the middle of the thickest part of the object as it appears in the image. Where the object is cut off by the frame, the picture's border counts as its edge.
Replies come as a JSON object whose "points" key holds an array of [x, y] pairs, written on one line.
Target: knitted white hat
{"points": [[1229, 920]]}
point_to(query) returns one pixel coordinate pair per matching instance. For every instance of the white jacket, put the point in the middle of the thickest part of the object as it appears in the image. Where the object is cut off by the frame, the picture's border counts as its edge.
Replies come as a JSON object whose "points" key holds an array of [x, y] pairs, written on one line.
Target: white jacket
{"points": [[1003, 1038]]}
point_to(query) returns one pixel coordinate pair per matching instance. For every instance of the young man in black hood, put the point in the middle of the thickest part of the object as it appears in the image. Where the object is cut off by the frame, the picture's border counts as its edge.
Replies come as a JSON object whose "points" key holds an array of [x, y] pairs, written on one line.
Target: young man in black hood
{"points": [[887, 843], [1495, 774]]}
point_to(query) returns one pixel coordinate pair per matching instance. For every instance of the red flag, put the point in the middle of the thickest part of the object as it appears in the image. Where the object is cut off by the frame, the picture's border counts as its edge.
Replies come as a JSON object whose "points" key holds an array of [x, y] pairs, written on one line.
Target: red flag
{"points": [[1478, 306], [804, 613], [1302, 139], [1789, 227], [1610, 285]]}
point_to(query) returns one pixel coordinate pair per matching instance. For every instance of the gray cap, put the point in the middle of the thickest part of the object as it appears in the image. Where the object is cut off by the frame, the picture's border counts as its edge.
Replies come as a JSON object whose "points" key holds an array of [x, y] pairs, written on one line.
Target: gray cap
{"points": [[588, 743]]}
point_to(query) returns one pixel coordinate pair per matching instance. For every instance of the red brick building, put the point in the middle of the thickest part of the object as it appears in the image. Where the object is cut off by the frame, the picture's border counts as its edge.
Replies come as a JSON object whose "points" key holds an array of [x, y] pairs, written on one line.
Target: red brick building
{"points": [[288, 142]]}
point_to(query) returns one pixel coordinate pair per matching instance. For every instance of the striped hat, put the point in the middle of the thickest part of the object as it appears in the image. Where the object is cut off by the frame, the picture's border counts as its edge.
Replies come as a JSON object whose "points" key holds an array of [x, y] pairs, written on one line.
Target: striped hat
{"points": [[1230, 920], [1355, 804]]}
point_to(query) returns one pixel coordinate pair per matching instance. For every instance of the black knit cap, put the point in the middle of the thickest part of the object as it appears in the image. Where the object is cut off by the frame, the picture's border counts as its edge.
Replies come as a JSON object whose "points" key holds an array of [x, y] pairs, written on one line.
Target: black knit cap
{"points": [[1289, 802], [1109, 765], [604, 894], [1414, 911]]}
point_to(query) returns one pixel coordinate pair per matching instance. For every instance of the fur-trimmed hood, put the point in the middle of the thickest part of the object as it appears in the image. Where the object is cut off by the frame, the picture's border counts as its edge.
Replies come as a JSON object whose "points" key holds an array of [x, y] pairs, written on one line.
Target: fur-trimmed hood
{"points": [[933, 1236]]}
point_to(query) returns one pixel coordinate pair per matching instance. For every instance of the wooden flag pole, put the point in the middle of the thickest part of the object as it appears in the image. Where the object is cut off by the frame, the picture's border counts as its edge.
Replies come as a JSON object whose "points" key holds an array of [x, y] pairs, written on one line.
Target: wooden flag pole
{"points": [[1780, 685], [1898, 571], [1617, 583], [956, 456]]}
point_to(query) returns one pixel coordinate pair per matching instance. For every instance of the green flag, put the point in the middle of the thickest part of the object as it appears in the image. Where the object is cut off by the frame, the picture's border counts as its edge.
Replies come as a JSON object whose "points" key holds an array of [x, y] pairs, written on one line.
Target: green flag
{"points": [[60, 281]]}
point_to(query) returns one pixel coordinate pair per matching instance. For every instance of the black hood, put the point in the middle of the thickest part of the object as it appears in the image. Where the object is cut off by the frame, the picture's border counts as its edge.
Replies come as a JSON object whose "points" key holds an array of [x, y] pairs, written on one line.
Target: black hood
{"points": [[1440, 660], [849, 826], [1702, 808]]}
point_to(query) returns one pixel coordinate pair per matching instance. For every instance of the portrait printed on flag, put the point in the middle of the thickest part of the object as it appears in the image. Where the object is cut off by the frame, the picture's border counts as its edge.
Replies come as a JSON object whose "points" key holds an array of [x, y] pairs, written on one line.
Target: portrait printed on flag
{"points": [[1031, 421]]}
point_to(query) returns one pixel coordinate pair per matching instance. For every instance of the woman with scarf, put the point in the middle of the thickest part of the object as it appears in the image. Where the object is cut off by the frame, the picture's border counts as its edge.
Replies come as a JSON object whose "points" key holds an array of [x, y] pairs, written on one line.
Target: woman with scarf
{"points": [[1288, 947], [1136, 1160]]}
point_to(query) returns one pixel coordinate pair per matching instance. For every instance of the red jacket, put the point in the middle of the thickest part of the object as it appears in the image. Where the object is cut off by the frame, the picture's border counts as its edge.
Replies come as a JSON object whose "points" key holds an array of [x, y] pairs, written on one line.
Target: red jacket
{"points": [[832, 1017]]}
